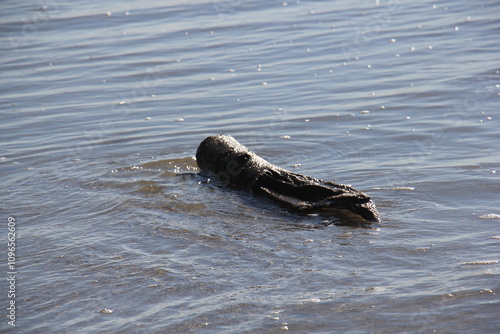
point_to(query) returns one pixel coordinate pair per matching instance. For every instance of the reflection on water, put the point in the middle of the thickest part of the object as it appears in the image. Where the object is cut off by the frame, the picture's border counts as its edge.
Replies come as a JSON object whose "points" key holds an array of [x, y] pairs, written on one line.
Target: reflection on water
{"points": [[104, 105]]}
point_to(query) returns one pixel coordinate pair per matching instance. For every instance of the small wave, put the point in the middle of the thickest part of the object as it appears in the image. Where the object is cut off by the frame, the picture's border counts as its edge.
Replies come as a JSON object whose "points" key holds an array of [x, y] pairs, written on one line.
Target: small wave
{"points": [[481, 262], [169, 167], [490, 216], [394, 188]]}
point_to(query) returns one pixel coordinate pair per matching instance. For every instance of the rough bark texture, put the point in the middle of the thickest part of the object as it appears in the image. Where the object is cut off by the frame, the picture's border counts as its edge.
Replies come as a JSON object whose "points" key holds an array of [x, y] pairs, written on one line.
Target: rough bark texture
{"points": [[235, 165]]}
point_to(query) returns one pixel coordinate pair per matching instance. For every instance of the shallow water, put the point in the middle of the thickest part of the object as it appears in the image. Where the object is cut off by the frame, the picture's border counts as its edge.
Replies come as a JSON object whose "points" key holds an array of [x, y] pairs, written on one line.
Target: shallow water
{"points": [[104, 105]]}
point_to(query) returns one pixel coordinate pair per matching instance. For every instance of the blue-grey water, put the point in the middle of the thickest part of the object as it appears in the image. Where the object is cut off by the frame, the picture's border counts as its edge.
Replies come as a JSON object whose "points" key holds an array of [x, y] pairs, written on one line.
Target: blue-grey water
{"points": [[103, 105]]}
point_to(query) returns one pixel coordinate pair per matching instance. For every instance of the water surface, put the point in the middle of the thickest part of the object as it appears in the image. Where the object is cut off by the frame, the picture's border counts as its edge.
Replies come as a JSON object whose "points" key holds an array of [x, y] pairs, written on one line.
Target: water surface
{"points": [[104, 104]]}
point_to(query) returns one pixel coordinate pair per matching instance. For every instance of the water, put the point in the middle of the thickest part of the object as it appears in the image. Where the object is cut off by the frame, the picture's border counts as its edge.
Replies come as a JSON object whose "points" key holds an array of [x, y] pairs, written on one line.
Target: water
{"points": [[104, 105]]}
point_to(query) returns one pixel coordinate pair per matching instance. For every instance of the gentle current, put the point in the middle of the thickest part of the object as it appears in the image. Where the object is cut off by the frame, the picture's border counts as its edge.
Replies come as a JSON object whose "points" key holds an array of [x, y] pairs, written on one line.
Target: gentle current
{"points": [[103, 106]]}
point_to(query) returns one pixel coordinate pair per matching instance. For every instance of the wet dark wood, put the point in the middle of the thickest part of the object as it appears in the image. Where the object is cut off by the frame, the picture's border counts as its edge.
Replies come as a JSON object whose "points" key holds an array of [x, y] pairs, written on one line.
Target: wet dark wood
{"points": [[237, 166]]}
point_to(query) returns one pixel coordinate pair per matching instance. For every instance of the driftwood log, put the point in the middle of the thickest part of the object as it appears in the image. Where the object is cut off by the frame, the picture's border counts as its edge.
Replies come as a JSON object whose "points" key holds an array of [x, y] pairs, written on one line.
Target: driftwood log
{"points": [[235, 165]]}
